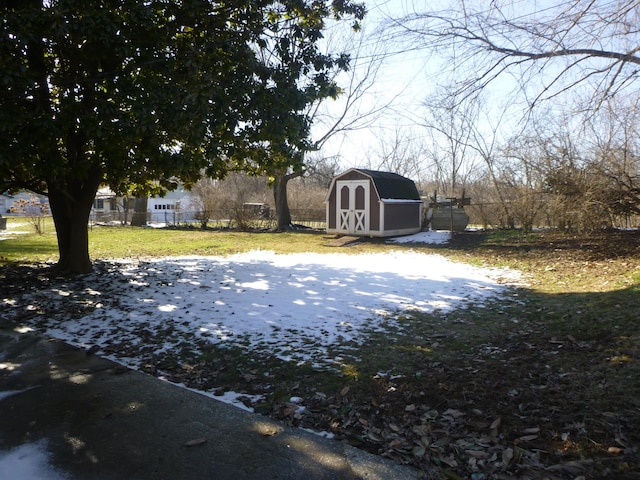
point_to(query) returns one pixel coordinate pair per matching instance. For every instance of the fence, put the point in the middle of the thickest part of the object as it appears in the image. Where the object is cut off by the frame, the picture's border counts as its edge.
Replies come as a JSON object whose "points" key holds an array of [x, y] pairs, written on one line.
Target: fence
{"points": [[220, 218]]}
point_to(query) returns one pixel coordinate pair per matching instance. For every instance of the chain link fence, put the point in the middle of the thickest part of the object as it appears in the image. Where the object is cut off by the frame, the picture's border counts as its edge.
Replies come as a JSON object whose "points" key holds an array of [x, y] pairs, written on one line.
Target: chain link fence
{"points": [[248, 217]]}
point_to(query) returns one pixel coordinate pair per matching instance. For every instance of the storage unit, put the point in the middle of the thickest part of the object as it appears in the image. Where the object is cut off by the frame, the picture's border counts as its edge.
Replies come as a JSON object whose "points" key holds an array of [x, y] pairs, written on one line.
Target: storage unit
{"points": [[449, 218], [372, 203]]}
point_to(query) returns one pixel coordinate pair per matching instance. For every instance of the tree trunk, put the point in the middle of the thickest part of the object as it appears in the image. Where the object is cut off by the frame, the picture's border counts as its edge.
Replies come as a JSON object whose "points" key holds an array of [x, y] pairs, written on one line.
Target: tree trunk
{"points": [[70, 207], [283, 214], [139, 217]]}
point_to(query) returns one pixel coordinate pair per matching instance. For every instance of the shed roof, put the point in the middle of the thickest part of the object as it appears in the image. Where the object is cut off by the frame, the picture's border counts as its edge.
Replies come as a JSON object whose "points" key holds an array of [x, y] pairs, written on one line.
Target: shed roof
{"points": [[392, 185]]}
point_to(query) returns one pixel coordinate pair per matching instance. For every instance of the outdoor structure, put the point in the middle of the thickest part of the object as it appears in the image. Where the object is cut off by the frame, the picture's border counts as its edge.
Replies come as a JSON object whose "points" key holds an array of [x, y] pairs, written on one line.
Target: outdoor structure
{"points": [[7, 200], [172, 208], [447, 213], [373, 203]]}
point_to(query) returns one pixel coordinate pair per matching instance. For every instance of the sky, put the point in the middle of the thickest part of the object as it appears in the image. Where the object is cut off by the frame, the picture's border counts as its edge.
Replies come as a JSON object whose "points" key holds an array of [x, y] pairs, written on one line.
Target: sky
{"points": [[291, 305], [411, 73], [401, 83]]}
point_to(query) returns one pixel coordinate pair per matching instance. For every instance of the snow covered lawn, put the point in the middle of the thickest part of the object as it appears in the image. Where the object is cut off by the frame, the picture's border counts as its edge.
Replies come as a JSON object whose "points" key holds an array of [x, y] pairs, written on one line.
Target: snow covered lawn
{"points": [[292, 306]]}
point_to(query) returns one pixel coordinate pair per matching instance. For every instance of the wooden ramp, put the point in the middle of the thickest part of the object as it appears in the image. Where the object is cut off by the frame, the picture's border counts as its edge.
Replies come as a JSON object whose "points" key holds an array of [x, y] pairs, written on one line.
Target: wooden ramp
{"points": [[340, 241]]}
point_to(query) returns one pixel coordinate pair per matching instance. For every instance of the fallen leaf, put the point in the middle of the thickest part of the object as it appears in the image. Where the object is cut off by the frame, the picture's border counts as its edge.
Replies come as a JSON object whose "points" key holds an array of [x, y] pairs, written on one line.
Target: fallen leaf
{"points": [[529, 431], [394, 427], [453, 412], [450, 461], [615, 450], [268, 430], [451, 475], [418, 451], [344, 391], [507, 456], [195, 442], [479, 454], [495, 424]]}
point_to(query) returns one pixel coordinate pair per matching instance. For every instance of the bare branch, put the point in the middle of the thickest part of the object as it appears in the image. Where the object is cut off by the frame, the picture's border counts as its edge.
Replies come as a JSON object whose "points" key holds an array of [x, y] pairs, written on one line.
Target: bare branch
{"points": [[572, 43]]}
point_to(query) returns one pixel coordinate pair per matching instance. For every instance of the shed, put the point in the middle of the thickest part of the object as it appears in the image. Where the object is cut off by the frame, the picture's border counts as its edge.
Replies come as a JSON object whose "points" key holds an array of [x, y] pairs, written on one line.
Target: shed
{"points": [[373, 203]]}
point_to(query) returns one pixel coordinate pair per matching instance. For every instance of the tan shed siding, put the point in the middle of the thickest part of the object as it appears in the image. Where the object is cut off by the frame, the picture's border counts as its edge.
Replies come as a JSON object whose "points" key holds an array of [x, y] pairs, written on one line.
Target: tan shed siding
{"points": [[401, 215]]}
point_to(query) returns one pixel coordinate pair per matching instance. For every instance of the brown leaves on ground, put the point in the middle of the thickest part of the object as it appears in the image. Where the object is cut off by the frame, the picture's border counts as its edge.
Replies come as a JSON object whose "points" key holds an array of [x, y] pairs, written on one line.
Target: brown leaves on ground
{"points": [[541, 385]]}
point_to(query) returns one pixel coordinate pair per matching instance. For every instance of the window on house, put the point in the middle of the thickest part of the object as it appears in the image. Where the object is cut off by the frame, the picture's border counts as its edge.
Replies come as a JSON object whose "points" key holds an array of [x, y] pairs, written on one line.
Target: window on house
{"points": [[164, 206], [98, 204]]}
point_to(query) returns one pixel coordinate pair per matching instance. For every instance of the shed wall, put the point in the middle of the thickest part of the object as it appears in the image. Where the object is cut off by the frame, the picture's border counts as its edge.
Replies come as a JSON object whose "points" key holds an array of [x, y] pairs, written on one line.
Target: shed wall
{"points": [[374, 209], [331, 210], [399, 216]]}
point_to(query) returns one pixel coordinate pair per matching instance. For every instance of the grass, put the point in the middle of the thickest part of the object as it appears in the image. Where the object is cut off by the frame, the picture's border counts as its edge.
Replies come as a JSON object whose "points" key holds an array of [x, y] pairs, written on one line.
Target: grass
{"points": [[107, 242], [560, 355]]}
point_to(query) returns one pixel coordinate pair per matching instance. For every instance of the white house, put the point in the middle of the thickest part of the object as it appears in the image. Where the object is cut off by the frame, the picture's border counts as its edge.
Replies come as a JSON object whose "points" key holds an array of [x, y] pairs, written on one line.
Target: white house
{"points": [[174, 207], [8, 199]]}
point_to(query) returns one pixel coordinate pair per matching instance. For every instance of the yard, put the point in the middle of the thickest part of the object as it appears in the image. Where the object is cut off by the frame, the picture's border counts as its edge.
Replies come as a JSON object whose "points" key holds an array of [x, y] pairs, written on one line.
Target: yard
{"points": [[493, 355]]}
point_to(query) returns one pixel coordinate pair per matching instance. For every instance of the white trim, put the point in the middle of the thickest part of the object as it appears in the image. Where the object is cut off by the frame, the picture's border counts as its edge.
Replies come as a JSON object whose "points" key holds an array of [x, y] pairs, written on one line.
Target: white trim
{"points": [[351, 221], [399, 200]]}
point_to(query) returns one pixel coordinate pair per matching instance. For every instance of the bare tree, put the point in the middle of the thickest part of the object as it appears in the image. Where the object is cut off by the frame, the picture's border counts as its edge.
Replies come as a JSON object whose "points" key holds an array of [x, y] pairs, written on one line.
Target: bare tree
{"points": [[616, 149], [402, 153], [451, 124], [352, 107], [229, 198], [34, 210], [206, 199], [548, 47]]}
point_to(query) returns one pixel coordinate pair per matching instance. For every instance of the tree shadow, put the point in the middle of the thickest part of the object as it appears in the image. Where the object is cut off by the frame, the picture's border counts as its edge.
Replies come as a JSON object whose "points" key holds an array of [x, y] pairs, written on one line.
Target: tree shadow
{"points": [[94, 419]]}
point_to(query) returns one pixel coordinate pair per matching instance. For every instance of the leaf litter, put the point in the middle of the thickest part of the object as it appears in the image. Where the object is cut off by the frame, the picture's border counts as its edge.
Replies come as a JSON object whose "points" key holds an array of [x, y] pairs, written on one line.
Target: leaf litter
{"points": [[520, 405]]}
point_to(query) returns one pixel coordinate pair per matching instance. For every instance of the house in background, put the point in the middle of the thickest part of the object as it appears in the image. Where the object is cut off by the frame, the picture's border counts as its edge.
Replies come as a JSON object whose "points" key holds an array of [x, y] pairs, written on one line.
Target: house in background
{"points": [[8, 199], [373, 203], [108, 207], [175, 207]]}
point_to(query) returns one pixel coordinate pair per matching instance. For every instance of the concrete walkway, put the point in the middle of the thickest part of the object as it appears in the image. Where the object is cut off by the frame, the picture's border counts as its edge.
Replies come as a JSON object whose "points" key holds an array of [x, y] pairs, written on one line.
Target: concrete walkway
{"points": [[99, 420]]}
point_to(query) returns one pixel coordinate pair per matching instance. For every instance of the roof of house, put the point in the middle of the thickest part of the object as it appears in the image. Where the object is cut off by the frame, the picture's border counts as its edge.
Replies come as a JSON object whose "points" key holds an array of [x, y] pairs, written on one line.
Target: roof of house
{"points": [[392, 185]]}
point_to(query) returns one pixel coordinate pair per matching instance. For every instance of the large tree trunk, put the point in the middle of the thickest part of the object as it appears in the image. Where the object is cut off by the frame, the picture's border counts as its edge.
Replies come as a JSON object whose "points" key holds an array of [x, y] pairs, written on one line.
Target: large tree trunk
{"points": [[139, 217], [70, 207], [283, 214]]}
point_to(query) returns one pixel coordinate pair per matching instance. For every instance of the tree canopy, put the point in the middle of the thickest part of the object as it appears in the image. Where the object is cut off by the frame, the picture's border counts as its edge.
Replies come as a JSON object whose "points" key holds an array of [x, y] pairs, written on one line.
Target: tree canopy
{"points": [[140, 94]]}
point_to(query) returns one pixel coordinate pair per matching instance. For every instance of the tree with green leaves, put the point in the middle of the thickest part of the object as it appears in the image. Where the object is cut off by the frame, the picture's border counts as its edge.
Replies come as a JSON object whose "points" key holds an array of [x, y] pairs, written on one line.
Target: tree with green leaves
{"points": [[307, 72], [141, 95]]}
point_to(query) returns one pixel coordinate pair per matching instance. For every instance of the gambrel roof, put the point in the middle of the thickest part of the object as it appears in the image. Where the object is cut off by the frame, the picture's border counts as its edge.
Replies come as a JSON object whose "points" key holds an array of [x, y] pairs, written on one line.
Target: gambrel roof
{"points": [[391, 185]]}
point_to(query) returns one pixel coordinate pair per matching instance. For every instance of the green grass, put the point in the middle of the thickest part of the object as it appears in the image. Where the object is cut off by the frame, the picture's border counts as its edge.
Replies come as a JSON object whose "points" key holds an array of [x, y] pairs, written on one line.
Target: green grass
{"points": [[107, 242]]}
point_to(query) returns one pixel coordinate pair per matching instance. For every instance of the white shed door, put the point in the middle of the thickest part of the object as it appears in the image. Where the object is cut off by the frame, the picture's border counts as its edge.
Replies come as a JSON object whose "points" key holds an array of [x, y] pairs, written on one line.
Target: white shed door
{"points": [[353, 206]]}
